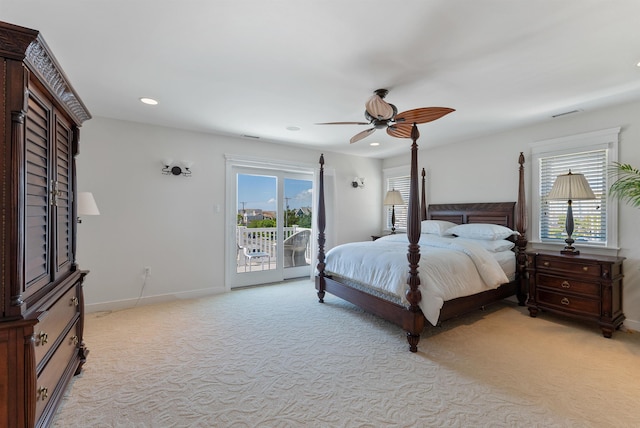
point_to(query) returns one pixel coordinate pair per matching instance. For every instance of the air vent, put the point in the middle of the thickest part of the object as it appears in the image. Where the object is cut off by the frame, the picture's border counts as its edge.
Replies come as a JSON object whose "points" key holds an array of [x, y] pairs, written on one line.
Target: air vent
{"points": [[251, 136], [565, 113]]}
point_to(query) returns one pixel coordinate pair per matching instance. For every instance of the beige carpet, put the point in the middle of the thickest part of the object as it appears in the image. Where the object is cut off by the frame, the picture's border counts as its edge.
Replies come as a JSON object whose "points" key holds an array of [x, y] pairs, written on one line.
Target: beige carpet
{"points": [[274, 357]]}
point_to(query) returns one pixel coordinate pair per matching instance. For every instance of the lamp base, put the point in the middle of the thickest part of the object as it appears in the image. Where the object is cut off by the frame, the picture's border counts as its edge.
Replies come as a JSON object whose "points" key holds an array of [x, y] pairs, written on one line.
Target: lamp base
{"points": [[569, 249], [570, 252]]}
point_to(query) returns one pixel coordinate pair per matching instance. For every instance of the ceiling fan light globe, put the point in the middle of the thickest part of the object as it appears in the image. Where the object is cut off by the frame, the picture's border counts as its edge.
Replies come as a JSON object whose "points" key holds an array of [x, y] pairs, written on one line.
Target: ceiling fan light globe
{"points": [[378, 108]]}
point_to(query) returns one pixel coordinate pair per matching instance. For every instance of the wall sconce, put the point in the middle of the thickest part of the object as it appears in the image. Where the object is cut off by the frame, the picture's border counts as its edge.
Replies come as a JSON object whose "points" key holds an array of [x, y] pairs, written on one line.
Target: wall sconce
{"points": [[357, 182], [176, 168], [86, 205]]}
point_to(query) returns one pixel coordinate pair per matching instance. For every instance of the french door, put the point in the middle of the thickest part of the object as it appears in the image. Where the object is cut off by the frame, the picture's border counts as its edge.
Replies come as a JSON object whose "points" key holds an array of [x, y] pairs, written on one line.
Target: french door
{"points": [[269, 225]]}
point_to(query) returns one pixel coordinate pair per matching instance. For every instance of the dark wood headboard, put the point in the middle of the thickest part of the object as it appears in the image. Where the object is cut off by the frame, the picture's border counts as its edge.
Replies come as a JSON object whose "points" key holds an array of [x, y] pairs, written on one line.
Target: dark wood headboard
{"points": [[501, 213]]}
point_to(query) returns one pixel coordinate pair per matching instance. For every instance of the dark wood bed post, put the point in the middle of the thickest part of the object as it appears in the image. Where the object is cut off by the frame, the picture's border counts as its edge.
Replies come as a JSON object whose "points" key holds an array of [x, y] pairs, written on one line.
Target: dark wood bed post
{"points": [[416, 322], [322, 223], [521, 239], [423, 203]]}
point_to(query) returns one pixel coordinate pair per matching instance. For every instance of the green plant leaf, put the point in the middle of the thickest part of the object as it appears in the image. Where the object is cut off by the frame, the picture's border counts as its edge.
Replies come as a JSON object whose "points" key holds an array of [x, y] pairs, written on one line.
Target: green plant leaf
{"points": [[627, 184]]}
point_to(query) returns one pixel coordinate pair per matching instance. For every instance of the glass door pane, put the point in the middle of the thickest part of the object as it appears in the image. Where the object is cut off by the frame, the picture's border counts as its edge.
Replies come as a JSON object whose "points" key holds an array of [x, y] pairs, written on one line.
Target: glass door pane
{"points": [[256, 226], [298, 221]]}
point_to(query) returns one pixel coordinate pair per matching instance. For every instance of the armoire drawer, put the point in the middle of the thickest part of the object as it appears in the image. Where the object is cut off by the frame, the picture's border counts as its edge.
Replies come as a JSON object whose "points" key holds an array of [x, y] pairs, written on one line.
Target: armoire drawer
{"points": [[48, 379], [53, 322], [567, 284]]}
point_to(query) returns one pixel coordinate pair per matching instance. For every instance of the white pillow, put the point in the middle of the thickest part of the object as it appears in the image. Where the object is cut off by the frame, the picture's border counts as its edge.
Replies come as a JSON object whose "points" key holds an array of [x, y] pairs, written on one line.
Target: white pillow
{"points": [[495, 246], [488, 232], [436, 227]]}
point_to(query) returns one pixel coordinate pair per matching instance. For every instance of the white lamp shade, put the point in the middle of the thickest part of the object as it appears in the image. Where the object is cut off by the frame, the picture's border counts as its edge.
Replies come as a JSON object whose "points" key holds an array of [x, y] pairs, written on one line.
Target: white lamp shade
{"points": [[393, 197], [571, 186], [86, 204]]}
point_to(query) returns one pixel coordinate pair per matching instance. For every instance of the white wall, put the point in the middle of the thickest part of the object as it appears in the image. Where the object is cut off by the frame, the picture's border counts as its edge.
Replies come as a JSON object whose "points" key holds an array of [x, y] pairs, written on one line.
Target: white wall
{"points": [[486, 169], [170, 223]]}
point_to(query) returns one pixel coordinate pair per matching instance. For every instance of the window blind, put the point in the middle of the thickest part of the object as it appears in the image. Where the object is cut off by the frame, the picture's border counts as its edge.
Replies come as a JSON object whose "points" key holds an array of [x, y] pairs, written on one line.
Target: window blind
{"points": [[401, 184], [590, 216]]}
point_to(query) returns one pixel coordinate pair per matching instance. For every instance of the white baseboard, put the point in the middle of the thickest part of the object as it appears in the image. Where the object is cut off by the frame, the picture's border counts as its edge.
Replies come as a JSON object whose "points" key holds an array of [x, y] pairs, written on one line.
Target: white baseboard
{"points": [[116, 305], [631, 325]]}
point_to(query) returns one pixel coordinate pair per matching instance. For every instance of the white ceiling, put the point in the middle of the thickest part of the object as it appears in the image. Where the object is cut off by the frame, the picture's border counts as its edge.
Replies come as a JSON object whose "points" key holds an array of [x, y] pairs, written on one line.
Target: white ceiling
{"points": [[255, 67]]}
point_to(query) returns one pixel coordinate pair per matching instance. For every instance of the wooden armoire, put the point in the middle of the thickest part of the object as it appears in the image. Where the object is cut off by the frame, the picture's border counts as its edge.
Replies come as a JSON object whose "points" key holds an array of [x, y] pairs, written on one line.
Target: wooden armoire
{"points": [[41, 299]]}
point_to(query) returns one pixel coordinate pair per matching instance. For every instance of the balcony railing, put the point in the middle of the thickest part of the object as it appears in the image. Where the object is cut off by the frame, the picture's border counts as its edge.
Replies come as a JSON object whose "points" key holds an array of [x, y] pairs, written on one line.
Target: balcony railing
{"points": [[264, 239]]}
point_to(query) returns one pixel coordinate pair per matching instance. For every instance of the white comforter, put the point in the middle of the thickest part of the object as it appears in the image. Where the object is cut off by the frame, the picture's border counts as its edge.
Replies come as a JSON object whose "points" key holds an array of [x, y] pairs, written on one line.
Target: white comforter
{"points": [[448, 268]]}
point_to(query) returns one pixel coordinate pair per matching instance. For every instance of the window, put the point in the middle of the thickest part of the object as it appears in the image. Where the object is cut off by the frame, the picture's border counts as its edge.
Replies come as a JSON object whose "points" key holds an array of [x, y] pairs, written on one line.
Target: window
{"points": [[590, 215], [397, 178], [595, 220]]}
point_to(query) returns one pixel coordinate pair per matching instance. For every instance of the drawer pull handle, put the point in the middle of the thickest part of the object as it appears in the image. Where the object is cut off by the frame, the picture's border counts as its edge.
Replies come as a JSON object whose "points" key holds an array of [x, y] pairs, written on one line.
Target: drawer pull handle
{"points": [[585, 268], [43, 393], [565, 301], [565, 284], [43, 338], [74, 301], [546, 264], [74, 339]]}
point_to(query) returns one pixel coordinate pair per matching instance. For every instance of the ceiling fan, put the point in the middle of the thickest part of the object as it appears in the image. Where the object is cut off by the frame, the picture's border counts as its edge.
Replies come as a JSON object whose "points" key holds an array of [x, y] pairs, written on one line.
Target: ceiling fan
{"points": [[381, 114]]}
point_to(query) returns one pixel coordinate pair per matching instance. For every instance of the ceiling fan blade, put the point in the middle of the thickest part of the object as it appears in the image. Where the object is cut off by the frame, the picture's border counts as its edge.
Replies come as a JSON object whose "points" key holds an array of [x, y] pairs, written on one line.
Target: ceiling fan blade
{"points": [[422, 115], [400, 130], [344, 123], [360, 135]]}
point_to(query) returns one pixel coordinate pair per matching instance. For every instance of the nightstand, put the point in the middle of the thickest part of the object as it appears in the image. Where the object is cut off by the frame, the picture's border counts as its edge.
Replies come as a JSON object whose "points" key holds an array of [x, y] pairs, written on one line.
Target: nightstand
{"points": [[586, 286], [374, 237]]}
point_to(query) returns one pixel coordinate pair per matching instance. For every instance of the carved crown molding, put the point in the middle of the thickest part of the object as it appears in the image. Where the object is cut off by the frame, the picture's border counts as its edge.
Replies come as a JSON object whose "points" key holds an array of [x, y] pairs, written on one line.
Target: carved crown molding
{"points": [[43, 63], [24, 44], [14, 40]]}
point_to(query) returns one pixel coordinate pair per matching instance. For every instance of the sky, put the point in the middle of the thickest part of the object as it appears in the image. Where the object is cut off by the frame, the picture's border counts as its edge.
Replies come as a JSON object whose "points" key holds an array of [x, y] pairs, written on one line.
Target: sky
{"points": [[259, 192]]}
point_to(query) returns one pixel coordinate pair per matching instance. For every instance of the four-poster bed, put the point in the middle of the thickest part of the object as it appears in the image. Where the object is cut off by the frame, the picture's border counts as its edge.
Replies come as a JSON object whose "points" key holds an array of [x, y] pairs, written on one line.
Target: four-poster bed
{"points": [[406, 311]]}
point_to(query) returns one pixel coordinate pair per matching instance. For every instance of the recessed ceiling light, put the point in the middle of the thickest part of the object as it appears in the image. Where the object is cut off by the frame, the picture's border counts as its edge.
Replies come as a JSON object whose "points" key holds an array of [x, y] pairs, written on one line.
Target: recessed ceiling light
{"points": [[293, 128], [149, 101], [374, 144]]}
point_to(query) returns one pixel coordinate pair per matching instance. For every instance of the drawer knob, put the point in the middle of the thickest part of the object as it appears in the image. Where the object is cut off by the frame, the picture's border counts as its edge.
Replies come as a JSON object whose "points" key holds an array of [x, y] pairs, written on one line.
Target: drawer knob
{"points": [[565, 284], [546, 264], [585, 268], [74, 301], [565, 301], [43, 338], [74, 339], [43, 393]]}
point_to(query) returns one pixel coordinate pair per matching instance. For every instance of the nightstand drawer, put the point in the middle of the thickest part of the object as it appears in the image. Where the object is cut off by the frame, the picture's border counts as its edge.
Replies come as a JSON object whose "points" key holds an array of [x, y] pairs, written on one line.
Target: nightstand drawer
{"points": [[568, 266], [570, 285], [569, 303]]}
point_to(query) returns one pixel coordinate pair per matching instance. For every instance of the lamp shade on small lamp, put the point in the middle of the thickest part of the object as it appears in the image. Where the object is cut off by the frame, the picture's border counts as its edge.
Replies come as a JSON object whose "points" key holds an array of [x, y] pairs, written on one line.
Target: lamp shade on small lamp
{"points": [[570, 187], [86, 205], [393, 198]]}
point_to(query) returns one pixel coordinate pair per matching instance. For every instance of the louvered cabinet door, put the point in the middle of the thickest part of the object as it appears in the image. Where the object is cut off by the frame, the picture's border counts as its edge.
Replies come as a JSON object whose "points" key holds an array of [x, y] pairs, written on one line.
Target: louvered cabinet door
{"points": [[38, 178], [63, 204], [49, 193]]}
